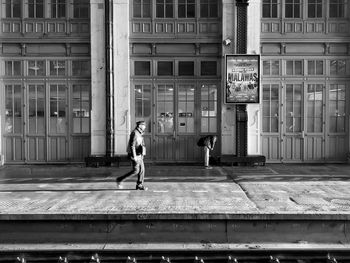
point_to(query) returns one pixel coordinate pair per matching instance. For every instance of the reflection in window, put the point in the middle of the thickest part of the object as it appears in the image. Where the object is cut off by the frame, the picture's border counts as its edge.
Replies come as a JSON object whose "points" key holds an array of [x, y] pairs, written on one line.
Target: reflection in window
{"points": [[81, 68], [314, 108], [164, 8], [36, 68], [315, 67], [13, 109], [13, 68], [57, 113], [314, 8], [165, 109], [337, 108], [36, 109], [269, 8], [36, 8], [270, 108], [58, 8], [338, 67], [208, 108], [81, 108], [143, 104], [186, 8], [12, 8], [293, 8], [57, 68], [141, 8], [209, 8], [294, 108], [186, 109]]}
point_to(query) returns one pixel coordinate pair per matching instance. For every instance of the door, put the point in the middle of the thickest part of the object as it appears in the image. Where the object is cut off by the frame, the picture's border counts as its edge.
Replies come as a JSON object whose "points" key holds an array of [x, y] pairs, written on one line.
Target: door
{"points": [[176, 119], [303, 136], [35, 135], [38, 127]]}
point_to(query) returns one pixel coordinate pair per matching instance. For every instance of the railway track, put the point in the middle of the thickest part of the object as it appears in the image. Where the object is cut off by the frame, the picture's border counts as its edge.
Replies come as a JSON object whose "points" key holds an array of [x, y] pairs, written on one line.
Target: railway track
{"points": [[175, 257]]}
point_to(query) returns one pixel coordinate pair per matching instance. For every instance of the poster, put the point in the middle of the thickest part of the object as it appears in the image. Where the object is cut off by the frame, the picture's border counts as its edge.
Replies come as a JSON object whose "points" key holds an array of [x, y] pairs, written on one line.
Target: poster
{"points": [[242, 79]]}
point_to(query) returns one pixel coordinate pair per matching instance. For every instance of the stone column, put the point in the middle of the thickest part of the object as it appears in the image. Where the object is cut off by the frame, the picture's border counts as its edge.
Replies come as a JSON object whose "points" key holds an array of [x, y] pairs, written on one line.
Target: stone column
{"points": [[253, 47], [228, 113], [98, 78], [121, 75]]}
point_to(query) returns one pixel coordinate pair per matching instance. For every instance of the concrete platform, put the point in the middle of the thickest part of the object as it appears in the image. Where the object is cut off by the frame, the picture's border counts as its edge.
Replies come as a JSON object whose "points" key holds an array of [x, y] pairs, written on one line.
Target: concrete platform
{"points": [[185, 206]]}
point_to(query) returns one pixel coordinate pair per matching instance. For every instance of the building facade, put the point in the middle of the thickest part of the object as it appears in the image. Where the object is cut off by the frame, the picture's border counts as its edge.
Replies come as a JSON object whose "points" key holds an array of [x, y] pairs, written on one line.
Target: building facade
{"points": [[76, 75]]}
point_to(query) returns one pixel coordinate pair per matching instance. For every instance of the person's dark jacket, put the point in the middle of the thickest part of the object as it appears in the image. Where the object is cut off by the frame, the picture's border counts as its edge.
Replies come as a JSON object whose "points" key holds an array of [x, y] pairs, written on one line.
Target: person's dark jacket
{"points": [[207, 141], [136, 145]]}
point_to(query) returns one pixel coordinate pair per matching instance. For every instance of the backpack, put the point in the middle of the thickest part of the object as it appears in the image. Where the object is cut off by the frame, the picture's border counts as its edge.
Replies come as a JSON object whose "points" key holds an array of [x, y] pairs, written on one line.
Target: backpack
{"points": [[200, 142]]}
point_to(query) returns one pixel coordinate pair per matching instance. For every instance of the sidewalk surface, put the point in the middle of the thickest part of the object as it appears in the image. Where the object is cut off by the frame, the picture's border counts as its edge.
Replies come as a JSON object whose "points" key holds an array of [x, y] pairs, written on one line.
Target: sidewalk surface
{"points": [[271, 191]]}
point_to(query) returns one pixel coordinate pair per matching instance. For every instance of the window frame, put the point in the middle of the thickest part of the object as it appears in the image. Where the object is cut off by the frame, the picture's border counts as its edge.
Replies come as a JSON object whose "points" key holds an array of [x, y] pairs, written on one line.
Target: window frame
{"points": [[315, 7], [292, 6], [271, 6]]}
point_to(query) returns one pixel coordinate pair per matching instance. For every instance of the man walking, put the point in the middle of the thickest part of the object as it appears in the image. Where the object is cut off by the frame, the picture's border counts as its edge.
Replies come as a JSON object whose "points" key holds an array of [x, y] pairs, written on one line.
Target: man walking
{"points": [[136, 152]]}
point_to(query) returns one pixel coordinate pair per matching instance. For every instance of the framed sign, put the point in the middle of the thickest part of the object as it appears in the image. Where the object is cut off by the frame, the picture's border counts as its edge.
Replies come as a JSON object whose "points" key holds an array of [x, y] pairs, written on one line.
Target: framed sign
{"points": [[242, 79]]}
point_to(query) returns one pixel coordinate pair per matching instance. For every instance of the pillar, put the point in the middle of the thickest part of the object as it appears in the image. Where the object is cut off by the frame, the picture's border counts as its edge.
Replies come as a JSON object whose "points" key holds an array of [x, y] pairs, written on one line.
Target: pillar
{"points": [[98, 78]]}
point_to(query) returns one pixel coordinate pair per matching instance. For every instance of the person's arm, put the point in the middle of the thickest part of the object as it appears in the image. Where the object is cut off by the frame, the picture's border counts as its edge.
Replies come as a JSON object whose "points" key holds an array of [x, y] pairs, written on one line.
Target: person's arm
{"points": [[133, 145]]}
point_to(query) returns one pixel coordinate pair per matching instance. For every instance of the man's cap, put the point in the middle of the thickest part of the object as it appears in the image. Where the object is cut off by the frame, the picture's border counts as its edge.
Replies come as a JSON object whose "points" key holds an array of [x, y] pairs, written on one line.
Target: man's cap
{"points": [[140, 122]]}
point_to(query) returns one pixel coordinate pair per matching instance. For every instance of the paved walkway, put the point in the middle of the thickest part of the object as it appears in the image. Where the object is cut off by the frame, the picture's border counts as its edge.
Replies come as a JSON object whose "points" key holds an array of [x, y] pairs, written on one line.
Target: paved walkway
{"points": [[273, 191]]}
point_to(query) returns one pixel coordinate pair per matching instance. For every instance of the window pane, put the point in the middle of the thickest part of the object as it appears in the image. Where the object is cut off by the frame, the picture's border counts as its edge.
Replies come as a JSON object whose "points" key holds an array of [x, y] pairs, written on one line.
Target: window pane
{"points": [[165, 68], [266, 67], [143, 68], [208, 68], [186, 68]]}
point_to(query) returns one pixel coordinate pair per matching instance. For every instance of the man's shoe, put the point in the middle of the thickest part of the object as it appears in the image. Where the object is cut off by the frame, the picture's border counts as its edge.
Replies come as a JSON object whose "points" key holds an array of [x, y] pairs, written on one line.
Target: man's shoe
{"points": [[141, 187], [208, 167], [119, 185]]}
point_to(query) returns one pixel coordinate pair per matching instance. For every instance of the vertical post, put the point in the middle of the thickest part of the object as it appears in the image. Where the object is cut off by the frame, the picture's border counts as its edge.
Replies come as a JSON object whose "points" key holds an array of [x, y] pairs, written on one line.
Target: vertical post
{"points": [[241, 110], [109, 79]]}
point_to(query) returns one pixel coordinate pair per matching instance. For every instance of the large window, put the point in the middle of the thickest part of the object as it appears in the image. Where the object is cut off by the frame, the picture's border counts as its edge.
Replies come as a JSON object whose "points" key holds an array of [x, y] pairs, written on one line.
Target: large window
{"points": [[36, 8], [271, 67], [209, 8], [294, 67], [337, 108], [165, 68], [81, 108], [36, 68], [187, 9], [337, 8], [186, 68], [57, 68], [314, 8], [142, 8], [338, 67], [165, 8], [314, 108], [293, 9], [315, 67], [294, 106], [81, 9], [13, 68], [143, 107], [81, 68], [208, 68], [269, 8], [186, 109], [270, 108], [11, 8], [208, 108], [58, 8]]}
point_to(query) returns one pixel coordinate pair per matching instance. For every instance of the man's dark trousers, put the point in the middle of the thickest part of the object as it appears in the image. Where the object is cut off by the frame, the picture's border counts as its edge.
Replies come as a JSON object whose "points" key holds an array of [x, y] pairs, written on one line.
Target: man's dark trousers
{"points": [[138, 168]]}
